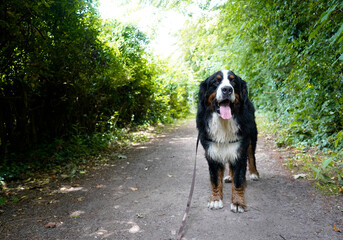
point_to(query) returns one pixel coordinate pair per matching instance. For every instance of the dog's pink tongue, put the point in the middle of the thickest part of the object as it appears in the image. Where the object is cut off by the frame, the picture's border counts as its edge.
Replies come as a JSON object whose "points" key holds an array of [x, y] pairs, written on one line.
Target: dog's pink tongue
{"points": [[225, 112]]}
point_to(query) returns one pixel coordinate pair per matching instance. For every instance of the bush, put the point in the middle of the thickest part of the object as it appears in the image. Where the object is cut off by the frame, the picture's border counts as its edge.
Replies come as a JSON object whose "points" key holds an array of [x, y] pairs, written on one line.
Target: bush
{"points": [[67, 76]]}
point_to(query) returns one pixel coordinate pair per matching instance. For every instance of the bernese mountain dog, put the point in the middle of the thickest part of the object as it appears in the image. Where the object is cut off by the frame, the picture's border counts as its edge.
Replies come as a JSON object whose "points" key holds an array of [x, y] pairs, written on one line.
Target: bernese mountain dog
{"points": [[227, 131]]}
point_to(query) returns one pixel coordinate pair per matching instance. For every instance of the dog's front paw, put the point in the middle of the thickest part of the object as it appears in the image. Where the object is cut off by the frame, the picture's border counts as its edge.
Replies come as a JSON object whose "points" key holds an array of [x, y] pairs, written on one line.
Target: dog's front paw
{"points": [[236, 208], [215, 204]]}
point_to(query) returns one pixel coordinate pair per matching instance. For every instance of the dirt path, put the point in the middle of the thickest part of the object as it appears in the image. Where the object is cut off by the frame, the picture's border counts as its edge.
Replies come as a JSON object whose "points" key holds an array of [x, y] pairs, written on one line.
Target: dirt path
{"points": [[144, 197]]}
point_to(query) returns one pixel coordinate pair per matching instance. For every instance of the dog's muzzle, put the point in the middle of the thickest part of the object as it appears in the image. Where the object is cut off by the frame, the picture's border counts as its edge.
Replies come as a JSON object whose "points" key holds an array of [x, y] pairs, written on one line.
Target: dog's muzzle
{"points": [[223, 99]]}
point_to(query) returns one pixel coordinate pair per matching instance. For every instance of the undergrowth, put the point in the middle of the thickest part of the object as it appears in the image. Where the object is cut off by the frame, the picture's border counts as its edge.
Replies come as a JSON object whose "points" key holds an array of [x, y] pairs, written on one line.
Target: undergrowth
{"points": [[323, 166], [68, 157]]}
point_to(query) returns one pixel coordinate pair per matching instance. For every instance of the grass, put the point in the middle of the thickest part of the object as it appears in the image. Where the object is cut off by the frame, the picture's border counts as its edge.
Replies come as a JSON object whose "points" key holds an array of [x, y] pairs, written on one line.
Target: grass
{"points": [[265, 126], [323, 167]]}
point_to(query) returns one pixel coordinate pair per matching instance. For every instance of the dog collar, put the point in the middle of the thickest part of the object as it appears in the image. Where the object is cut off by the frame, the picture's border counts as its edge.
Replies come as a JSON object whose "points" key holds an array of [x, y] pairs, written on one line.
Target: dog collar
{"points": [[233, 141]]}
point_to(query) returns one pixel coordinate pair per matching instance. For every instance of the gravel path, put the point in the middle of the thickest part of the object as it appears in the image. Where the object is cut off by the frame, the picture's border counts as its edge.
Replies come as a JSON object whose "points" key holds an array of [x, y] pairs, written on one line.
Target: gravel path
{"points": [[144, 197]]}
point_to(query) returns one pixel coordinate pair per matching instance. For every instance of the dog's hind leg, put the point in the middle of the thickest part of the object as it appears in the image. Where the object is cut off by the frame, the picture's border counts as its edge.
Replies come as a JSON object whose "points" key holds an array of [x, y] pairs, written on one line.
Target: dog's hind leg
{"points": [[216, 177], [254, 175], [228, 178]]}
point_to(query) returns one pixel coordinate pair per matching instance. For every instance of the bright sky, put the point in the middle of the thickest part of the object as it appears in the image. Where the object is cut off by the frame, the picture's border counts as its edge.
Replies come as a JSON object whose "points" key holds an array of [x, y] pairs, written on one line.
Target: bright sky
{"points": [[160, 25]]}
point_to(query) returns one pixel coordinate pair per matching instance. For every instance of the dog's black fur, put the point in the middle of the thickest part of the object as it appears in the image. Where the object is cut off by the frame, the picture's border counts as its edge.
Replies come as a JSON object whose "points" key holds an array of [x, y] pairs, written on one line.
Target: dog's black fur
{"points": [[244, 136]]}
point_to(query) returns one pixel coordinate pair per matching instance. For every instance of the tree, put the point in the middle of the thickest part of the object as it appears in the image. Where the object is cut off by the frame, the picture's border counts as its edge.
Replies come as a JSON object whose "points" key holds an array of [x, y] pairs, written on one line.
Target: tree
{"points": [[290, 57], [66, 74]]}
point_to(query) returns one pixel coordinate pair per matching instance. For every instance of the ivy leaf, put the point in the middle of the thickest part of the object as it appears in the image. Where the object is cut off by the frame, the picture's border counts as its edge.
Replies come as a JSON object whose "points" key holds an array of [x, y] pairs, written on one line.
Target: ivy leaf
{"points": [[337, 35]]}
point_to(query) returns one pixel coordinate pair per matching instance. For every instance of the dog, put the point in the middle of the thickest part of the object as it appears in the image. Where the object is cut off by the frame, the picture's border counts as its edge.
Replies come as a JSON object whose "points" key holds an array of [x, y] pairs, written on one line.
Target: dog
{"points": [[227, 131]]}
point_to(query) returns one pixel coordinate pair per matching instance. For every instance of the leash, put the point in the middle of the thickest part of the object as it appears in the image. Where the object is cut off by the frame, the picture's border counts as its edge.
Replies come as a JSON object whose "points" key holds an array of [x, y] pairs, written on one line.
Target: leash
{"points": [[183, 224]]}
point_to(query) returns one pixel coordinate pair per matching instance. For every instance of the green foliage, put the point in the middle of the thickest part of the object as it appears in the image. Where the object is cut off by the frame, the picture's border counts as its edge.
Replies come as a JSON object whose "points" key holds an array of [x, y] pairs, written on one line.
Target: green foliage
{"points": [[48, 64], [68, 78], [289, 56], [2, 201], [326, 168], [323, 167]]}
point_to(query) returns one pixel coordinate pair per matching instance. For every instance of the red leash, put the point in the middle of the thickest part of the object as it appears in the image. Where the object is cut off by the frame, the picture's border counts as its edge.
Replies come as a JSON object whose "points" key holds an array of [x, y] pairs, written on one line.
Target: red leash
{"points": [[185, 216]]}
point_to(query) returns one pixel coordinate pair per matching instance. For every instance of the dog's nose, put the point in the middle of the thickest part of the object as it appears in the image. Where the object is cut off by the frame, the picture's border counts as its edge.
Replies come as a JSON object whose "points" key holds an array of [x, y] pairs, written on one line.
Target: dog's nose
{"points": [[227, 90]]}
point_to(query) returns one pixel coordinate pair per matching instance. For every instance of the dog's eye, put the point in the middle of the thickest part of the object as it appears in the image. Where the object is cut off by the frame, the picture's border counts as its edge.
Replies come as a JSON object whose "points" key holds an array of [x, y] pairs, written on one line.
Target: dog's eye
{"points": [[233, 83], [217, 80]]}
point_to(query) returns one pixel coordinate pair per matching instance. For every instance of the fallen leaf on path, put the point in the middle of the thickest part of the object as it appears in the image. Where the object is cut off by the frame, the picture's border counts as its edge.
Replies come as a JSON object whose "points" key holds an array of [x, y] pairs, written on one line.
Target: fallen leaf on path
{"points": [[335, 228], [68, 189], [122, 156], [76, 214], [50, 225], [170, 175], [133, 189], [301, 175], [134, 229]]}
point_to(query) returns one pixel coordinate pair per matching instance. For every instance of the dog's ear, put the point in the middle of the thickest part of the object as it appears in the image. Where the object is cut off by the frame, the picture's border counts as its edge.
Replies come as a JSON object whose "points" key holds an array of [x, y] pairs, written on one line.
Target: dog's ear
{"points": [[244, 90], [202, 92]]}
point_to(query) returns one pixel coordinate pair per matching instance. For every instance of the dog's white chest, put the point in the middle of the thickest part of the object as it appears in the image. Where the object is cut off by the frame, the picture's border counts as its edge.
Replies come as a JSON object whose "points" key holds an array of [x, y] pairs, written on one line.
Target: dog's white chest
{"points": [[223, 133]]}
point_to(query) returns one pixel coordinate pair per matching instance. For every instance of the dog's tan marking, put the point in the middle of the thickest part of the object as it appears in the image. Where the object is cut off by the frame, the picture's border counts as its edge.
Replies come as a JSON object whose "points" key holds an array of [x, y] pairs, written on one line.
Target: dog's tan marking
{"points": [[237, 193], [236, 97], [217, 191], [232, 77], [211, 97], [236, 103], [238, 196], [219, 77]]}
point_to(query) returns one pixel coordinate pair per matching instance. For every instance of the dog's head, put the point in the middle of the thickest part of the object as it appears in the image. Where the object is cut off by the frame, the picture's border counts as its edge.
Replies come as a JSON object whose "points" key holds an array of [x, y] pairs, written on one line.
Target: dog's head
{"points": [[223, 92]]}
